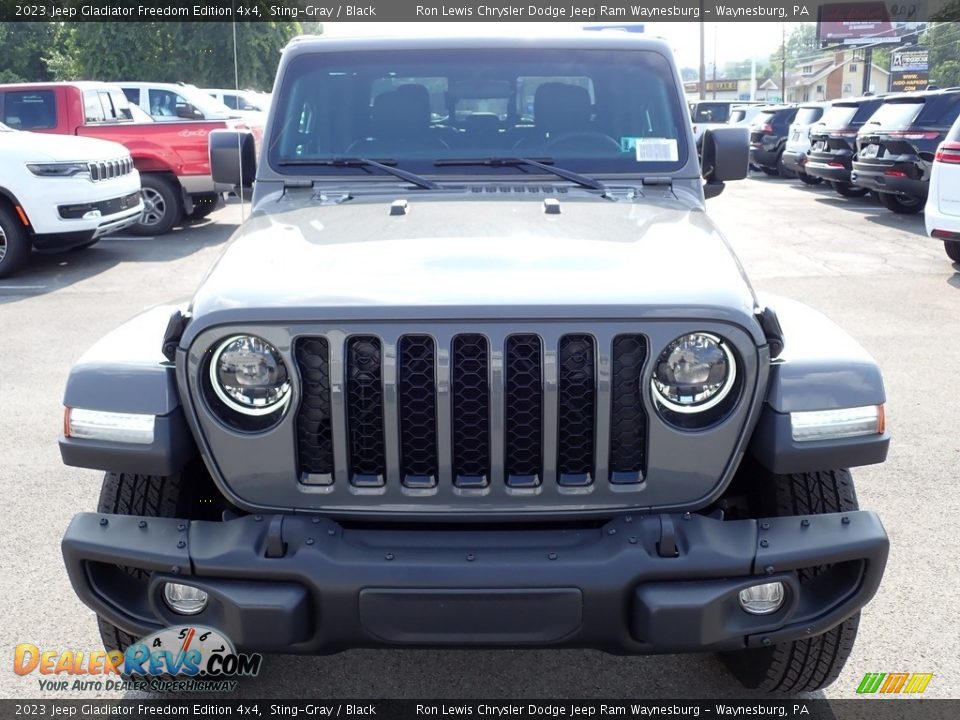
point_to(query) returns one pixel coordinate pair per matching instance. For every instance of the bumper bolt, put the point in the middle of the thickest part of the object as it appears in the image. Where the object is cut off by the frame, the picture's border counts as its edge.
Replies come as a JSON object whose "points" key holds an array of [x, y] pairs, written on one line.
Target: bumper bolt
{"points": [[175, 570], [633, 540], [764, 543], [628, 518], [551, 556], [768, 569], [804, 523], [181, 526], [388, 556], [845, 520], [687, 516], [612, 531], [471, 557], [258, 518], [766, 641], [103, 521], [142, 524], [309, 541], [765, 525], [181, 544]]}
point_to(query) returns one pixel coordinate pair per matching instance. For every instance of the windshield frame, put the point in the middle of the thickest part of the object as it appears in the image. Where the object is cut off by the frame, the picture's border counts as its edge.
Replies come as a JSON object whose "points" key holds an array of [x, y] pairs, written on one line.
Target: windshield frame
{"points": [[673, 106]]}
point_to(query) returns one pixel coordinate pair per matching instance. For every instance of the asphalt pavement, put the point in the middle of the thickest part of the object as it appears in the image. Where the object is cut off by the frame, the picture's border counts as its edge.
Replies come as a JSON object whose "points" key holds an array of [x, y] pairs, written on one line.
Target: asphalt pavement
{"points": [[872, 272]]}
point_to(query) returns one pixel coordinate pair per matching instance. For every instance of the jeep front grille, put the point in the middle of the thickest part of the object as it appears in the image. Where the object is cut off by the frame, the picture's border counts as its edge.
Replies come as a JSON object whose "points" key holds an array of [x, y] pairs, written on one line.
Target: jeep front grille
{"points": [[477, 412], [109, 169]]}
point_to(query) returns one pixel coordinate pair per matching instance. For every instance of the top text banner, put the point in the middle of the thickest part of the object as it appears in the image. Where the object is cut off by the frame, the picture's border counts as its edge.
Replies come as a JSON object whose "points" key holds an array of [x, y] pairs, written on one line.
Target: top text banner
{"points": [[615, 15]]}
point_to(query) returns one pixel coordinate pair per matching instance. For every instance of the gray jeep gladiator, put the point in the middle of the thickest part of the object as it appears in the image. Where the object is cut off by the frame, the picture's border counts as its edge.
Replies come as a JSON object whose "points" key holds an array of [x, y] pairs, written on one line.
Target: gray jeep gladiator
{"points": [[479, 371]]}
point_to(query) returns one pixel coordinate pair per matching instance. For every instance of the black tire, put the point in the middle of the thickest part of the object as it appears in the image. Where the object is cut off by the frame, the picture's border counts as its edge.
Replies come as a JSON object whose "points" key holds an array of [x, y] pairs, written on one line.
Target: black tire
{"points": [[902, 204], [152, 496], [848, 190], [163, 206], [952, 248], [14, 243], [772, 172], [809, 664], [809, 179], [203, 205], [783, 171]]}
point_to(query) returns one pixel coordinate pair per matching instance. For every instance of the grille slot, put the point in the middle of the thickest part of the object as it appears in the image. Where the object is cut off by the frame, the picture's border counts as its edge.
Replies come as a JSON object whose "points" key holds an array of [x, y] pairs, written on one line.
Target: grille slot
{"points": [[470, 390], [109, 169], [576, 410], [364, 376], [314, 435], [628, 419], [417, 396], [524, 411]]}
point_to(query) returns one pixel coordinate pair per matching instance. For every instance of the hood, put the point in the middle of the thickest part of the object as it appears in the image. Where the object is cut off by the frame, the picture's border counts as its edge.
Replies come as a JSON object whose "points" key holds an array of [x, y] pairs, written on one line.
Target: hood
{"points": [[475, 256], [43, 147]]}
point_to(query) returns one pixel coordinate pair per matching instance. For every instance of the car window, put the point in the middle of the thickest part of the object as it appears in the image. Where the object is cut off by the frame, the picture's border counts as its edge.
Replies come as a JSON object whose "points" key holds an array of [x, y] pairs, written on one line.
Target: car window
{"points": [[954, 134], [585, 109], [736, 116], [115, 105], [132, 94], [808, 115], [764, 117], [229, 100], [941, 110], [92, 107], [30, 109], [166, 103], [896, 114], [865, 111], [838, 116], [711, 113]]}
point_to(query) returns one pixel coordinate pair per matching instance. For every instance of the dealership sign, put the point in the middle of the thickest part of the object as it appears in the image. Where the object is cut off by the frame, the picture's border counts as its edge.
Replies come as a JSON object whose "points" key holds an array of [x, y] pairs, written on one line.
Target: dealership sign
{"points": [[909, 70], [871, 22]]}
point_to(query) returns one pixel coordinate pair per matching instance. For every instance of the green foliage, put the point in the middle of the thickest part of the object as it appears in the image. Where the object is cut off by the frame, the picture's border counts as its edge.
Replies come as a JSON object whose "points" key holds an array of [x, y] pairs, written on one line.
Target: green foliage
{"points": [[943, 41], [801, 45], [197, 53]]}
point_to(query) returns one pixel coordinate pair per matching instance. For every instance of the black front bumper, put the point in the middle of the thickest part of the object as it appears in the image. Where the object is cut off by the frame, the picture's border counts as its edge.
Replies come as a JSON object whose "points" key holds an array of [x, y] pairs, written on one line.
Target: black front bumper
{"points": [[906, 178], [642, 584]]}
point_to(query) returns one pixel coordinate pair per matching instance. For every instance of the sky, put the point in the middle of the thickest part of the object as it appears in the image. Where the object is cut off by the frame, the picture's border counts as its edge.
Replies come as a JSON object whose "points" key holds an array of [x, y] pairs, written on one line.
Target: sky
{"points": [[732, 40]]}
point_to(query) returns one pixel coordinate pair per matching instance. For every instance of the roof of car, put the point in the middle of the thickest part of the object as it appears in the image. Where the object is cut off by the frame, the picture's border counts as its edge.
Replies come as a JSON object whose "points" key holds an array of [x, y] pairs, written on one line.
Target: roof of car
{"points": [[561, 40]]}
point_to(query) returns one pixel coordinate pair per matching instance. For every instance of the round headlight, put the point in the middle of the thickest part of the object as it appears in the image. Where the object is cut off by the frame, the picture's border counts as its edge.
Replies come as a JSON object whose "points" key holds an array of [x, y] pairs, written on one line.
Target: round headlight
{"points": [[248, 375], [694, 373]]}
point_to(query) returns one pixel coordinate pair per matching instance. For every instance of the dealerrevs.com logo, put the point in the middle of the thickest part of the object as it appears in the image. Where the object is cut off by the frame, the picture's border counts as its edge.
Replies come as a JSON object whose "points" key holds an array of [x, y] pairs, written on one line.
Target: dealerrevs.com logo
{"points": [[894, 683], [177, 659]]}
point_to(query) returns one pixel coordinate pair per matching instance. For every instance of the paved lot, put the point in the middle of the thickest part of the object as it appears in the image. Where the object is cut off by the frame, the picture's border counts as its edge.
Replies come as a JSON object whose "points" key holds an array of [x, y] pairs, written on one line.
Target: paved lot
{"points": [[871, 271]]}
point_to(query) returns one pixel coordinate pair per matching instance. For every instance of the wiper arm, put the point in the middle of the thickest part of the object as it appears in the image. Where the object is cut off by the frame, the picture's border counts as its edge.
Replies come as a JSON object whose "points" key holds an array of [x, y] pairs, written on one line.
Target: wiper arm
{"points": [[410, 177], [541, 164]]}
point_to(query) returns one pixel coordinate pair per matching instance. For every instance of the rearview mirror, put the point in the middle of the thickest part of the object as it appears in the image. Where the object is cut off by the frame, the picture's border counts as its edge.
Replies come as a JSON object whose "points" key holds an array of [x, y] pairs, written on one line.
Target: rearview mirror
{"points": [[725, 157], [233, 157]]}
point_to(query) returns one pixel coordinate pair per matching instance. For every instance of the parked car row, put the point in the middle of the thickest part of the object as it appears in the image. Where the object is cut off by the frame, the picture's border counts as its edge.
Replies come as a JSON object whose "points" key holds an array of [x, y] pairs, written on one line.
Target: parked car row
{"points": [[151, 144], [902, 148]]}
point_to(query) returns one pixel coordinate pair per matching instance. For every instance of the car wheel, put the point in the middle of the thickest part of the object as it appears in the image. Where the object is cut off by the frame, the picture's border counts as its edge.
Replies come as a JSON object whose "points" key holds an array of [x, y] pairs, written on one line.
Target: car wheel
{"points": [[953, 249], [151, 496], [902, 204], [162, 208], [203, 205], [809, 179], [812, 663], [848, 190], [14, 244], [783, 171]]}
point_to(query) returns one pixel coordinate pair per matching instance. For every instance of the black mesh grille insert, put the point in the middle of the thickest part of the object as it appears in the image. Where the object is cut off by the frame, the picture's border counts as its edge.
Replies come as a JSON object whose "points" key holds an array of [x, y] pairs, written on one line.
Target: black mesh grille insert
{"points": [[628, 421], [524, 411], [314, 443], [470, 392], [365, 410], [417, 396], [576, 409]]}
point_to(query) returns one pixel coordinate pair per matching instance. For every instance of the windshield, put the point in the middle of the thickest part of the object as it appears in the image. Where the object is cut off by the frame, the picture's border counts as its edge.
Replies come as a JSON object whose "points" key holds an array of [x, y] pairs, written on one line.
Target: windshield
{"points": [[711, 112], [838, 116], [587, 110], [808, 115], [895, 114], [764, 118]]}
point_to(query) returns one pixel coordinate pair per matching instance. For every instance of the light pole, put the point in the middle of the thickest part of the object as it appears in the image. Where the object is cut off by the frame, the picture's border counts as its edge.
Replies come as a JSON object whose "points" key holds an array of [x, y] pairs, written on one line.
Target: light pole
{"points": [[703, 68]]}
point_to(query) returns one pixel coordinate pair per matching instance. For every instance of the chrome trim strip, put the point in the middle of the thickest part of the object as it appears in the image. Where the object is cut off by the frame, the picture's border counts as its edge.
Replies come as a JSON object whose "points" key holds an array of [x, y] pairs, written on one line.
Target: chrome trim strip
{"points": [[391, 409], [337, 340]]}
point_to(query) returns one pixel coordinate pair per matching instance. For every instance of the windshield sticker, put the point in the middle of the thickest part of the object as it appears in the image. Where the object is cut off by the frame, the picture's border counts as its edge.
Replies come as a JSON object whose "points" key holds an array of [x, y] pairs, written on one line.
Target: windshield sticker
{"points": [[652, 149]]}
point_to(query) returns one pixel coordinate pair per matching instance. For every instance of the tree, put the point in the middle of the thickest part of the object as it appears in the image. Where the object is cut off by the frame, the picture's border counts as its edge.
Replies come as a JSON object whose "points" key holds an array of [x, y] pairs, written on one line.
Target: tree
{"points": [[801, 46], [24, 48], [943, 42]]}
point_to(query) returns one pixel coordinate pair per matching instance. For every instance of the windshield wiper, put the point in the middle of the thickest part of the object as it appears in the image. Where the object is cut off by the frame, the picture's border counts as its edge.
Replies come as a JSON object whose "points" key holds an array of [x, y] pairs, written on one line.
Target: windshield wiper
{"points": [[410, 177], [540, 164]]}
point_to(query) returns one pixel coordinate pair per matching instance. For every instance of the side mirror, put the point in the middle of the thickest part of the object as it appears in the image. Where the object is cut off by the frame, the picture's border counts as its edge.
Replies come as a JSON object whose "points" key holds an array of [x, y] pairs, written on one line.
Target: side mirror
{"points": [[188, 112], [725, 156], [233, 157]]}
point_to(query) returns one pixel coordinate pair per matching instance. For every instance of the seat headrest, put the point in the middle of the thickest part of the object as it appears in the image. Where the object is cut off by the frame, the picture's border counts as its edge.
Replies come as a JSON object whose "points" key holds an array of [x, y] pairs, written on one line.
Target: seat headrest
{"points": [[560, 107], [401, 112]]}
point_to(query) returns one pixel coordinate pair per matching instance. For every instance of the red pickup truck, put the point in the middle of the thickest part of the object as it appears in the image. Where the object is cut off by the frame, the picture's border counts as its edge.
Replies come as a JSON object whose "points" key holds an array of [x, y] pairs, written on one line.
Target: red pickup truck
{"points": [[172, 157]]}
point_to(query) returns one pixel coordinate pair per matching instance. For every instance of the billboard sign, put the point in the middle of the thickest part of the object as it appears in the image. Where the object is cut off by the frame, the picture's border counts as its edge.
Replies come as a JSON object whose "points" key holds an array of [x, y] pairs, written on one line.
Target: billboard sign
{"points": [[909, 70], [870, 22]]}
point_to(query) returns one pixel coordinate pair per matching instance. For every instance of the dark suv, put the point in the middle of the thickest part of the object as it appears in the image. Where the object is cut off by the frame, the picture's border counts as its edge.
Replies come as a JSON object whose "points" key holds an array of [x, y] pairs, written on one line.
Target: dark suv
{"points": [[768, 138], [834, 143], [896, 147]]}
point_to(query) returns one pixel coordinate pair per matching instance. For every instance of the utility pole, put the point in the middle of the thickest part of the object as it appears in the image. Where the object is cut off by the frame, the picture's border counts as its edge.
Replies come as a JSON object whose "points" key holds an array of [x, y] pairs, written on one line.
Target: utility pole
{"points": [[703, 68], [753, 78], [867, 67], [714, 61], [783, 62]]}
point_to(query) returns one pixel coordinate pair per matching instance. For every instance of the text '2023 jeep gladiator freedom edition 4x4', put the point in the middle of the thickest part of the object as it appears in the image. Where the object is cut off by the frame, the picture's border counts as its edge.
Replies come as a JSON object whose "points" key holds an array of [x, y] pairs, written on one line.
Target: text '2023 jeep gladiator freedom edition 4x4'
{"points": [[479, 371]]}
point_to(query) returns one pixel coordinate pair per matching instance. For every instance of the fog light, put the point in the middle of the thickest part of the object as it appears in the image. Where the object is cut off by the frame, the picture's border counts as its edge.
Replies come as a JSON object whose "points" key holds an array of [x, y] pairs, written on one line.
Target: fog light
{"points": [[92, 215], [761, 599], [184, 599]]}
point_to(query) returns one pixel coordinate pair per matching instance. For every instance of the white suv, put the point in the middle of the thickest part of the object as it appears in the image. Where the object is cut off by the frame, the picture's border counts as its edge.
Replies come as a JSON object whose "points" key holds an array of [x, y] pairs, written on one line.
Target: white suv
{"points": [[170, 101], [942, 213], [798, 139], [59, 192]]}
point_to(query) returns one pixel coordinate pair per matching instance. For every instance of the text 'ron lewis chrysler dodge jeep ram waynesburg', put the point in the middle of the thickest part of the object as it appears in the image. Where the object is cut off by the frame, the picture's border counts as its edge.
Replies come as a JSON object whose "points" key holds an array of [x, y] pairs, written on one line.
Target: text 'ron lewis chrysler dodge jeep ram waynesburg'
{"points": [[479, 371]]}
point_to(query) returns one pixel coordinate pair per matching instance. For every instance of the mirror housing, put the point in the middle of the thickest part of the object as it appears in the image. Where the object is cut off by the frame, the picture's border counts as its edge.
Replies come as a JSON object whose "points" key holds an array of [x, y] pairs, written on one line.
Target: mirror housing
{"points": [[233, 157], [189, 112], [725, 157]]}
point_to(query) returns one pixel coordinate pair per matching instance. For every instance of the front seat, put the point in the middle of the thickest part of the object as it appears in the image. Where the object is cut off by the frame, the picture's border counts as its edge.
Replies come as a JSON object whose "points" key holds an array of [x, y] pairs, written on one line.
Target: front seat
{"points": [[400, 124], [558, 109]]}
